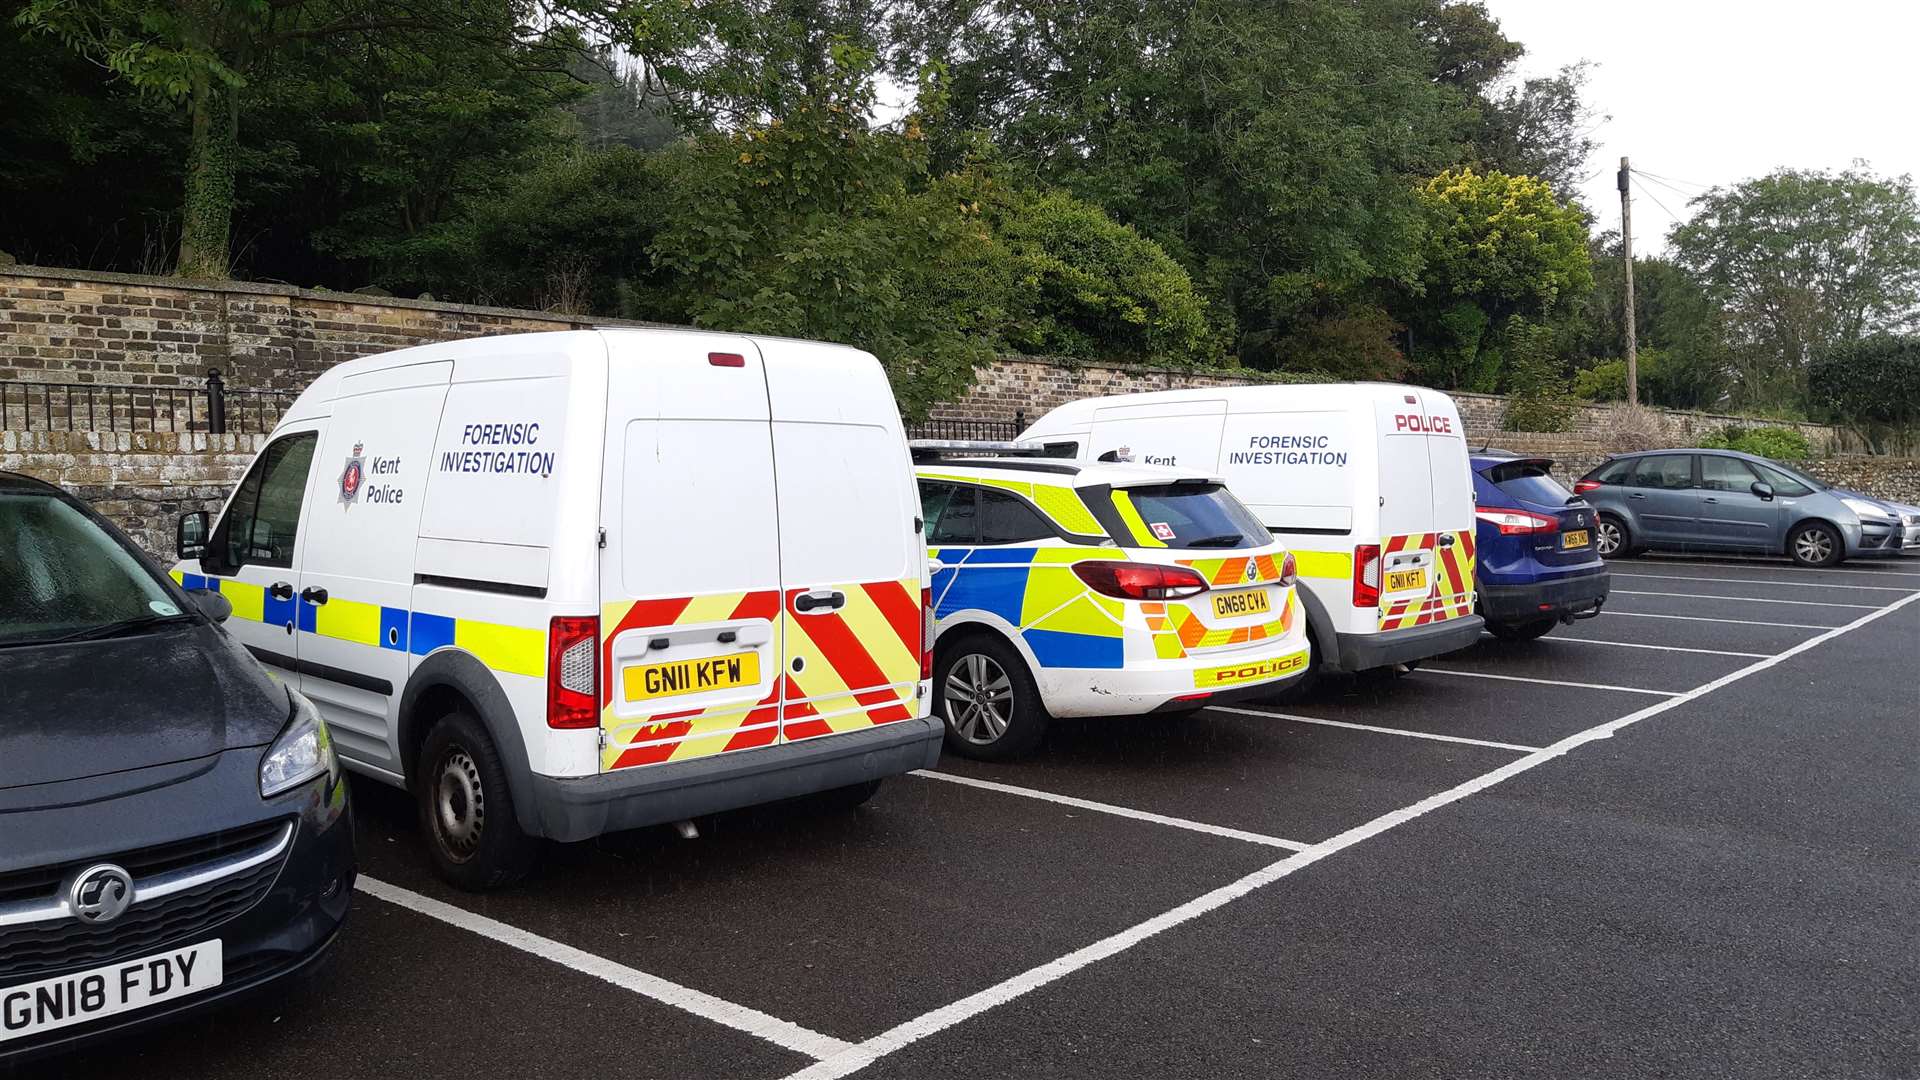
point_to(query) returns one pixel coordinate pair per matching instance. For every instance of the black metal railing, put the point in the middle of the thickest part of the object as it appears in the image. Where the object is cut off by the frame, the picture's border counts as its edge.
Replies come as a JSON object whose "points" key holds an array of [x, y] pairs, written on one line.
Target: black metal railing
{"points": [[211, 408], [970, 430]]}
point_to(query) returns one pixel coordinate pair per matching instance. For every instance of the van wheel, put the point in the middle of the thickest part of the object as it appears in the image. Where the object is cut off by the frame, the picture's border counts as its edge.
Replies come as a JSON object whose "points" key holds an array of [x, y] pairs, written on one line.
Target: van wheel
{"points": [[1815, 544], [1611, 539], [466, 810], [1526, 631], [988, 700]]}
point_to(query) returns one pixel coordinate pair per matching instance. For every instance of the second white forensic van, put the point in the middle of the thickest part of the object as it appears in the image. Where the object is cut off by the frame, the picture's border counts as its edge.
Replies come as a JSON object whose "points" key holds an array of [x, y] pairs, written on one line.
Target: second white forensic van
{"points": [[569, 583], [1368, 484]]}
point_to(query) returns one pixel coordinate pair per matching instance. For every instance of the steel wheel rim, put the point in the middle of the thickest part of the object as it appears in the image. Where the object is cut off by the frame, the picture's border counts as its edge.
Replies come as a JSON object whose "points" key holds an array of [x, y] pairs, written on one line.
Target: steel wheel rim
{"points": [[459, 805], [1813, 546], [1607, 537], [979, 697]]}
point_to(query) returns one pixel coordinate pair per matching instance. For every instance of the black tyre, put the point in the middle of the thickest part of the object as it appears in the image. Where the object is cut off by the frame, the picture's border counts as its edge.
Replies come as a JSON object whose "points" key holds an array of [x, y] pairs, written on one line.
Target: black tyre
{"points": [[1525, 631], [466, 809], [987, 698], [1815, 544], [1611, 539]]}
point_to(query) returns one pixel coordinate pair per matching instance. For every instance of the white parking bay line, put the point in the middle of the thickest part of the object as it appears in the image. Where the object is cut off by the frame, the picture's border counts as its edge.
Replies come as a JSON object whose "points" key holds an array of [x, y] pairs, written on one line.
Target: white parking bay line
{"points": [[1117, 811], [1613, 612], [1424, 668], [1644, 645], [1743, 599], [738, 1017], [1770, 581], [1369, 727], [900, 1037]]}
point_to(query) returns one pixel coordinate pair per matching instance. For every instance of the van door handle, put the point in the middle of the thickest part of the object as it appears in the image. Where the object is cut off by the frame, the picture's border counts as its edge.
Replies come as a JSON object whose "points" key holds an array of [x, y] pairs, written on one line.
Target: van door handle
{"points": [[817, 600], [1446, 539], [1636, 495], [315, 596], [281, 590], [1710, 499]]}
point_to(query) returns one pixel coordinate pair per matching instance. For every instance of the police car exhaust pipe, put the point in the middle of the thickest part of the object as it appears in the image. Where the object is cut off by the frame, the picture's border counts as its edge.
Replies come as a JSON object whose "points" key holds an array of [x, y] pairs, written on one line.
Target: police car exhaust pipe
{"points": [[687, 830]]}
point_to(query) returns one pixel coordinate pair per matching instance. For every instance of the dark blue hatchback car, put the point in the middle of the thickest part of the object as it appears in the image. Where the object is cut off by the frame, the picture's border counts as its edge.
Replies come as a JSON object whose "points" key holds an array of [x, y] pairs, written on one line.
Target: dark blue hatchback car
{"points": [[1537, 563]]}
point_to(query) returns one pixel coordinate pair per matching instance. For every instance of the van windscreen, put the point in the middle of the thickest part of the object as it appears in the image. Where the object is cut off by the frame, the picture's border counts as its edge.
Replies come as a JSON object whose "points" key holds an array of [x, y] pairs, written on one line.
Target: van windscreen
{"points": [[1197, 516]]}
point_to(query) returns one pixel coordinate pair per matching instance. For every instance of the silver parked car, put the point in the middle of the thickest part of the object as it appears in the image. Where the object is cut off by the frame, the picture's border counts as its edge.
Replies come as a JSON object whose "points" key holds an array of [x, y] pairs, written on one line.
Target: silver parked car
{"points": [[1724, 500]]}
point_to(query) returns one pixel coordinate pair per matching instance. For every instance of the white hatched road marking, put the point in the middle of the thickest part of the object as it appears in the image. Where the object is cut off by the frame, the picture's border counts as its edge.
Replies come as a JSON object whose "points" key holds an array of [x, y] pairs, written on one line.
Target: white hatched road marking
{"points": [[1543, 682], [738, 1017], [1702, 618], [1742, 599], [1644, 645], [901, 1036], [1116, 811], [1369, 727], [1768, 581], [1782, 565]]}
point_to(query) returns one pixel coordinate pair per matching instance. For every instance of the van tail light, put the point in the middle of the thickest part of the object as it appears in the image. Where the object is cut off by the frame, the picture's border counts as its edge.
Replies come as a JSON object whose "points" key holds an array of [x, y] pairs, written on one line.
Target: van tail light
{"points": [[926, 633], [726, 359], [1581, 487], [1289, 572], [573, 672], [1366, 575], [1139, 581], [1516, 522]]}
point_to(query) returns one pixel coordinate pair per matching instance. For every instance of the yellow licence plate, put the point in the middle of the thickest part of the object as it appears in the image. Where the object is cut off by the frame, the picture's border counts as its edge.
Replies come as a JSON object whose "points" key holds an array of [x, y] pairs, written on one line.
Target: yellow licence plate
{"points": [[1402, 580], [1228, 605], [1574, 538], [672, 678]]}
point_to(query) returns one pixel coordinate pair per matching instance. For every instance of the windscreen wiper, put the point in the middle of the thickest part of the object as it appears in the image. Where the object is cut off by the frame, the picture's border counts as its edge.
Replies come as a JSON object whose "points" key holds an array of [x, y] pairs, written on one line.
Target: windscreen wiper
{"points": [[1223, 540], [117, 628]]}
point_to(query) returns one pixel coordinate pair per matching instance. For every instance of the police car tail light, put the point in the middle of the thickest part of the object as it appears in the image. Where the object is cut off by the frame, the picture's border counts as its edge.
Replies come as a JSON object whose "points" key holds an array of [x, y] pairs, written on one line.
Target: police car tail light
{"points": [[1366, 575], [1139, 581], [926, 633], [573, 672], [1289, 572], [1516, 522]]}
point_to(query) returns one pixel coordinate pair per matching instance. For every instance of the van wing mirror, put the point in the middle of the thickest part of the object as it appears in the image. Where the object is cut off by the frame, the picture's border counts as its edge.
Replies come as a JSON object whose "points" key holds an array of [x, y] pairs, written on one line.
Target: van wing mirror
{"points": [[1762, 489], [190, 535], [211, 604]]}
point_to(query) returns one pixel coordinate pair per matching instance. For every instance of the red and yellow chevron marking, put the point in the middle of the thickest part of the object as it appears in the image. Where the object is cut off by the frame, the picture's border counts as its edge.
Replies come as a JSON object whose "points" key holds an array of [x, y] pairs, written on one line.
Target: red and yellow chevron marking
{"points": [[858, 666], [1450, 591], [1233, 571], [1192, 634]]}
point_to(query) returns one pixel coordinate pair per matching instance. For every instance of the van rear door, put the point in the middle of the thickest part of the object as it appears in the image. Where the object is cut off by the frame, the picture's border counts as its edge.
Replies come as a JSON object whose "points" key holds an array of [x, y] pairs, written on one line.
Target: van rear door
{"points": [[852, 558], [1450, 475], [1406, 537], [690, 576]]}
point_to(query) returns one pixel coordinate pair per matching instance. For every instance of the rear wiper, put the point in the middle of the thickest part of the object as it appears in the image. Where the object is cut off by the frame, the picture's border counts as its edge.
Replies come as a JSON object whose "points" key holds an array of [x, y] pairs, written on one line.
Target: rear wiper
{"points": [[1223, 540], [117, 628]]}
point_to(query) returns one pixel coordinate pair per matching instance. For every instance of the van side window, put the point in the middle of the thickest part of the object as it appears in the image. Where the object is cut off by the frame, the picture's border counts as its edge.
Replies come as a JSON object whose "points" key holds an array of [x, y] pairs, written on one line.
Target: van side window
{"points": [[1670, 472], [933, 500], [1005, 519], [1615, 471], [1782, 483], [261, 525], [957, 524], [1725, 474]]}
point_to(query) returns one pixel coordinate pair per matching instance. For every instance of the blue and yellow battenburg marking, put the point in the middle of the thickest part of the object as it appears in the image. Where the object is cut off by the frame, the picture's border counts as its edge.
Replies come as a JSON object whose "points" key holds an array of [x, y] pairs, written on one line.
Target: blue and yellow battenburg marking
{"points": [[517, 650], [1065, 623]]}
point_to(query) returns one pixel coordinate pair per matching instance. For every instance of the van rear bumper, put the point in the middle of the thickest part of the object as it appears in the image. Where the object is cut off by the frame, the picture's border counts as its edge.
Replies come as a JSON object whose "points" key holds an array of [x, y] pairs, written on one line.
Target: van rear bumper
{"points": [[1360, 652], [579, 808]]}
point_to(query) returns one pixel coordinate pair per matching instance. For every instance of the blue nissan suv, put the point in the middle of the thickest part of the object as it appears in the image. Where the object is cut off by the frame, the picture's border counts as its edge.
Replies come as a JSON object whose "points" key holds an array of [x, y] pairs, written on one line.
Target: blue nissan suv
{"points": [[1538, 565]]}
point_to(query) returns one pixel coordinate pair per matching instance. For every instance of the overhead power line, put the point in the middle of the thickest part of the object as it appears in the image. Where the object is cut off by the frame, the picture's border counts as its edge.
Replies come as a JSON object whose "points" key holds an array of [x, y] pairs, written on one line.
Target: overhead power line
{"points": [[1649, 194]]}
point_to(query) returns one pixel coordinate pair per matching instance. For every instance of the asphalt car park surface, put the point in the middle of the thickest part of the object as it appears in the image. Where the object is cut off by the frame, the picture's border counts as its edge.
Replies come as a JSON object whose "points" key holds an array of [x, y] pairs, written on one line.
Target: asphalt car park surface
{"points": [[1712, 875]]}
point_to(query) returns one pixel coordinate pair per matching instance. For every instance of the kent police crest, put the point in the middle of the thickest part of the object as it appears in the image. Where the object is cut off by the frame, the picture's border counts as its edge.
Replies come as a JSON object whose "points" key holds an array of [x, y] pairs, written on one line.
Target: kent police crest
{"points": [[353, 477]]}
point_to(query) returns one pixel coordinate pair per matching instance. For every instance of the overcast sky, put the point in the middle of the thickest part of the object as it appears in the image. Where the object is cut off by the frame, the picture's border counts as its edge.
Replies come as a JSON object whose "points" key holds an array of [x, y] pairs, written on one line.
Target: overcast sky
{"points": [[1706, 92]]}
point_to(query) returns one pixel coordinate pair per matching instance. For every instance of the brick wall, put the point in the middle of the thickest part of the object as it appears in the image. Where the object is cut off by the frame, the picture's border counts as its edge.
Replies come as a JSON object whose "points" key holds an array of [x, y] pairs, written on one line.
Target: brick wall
{"points": [[143, 482]]}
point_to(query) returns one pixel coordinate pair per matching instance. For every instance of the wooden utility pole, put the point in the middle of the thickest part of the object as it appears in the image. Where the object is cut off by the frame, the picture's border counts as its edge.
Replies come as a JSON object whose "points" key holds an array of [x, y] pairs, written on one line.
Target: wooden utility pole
{"points": [[1626, 255]]}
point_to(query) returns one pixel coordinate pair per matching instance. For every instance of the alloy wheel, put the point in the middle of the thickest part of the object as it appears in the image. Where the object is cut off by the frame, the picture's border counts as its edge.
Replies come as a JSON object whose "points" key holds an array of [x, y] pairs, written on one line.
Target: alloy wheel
{"points": [[1813, 546], [1606, 537], [979, 699]]}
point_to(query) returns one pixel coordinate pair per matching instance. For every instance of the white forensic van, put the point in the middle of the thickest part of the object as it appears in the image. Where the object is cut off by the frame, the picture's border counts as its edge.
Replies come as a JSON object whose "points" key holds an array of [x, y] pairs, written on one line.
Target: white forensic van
{"points": [[1368, 484], [563, 584]]}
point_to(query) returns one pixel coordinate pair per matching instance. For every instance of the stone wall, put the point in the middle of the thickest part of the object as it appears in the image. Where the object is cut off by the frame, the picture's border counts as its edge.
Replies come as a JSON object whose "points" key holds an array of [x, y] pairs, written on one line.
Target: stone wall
{"points": [[142, 482]]}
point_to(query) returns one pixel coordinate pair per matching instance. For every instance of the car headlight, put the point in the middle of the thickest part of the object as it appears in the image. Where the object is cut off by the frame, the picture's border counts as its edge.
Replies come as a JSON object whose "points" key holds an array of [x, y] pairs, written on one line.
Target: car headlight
{"points": [[303, 751], [1866, 509]]}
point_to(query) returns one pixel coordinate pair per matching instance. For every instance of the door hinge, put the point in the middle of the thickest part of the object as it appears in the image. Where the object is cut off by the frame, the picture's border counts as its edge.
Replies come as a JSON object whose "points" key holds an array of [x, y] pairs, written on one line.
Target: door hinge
{"points": [[603, 538]]}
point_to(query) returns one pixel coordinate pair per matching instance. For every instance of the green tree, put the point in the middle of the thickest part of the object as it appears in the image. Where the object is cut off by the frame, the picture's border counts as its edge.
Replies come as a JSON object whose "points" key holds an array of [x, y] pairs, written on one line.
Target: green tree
{"points": [[1496, 247], [1803, 262], [1538, 398], [1681, 329], [1872, 385], [1541, 127]]}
